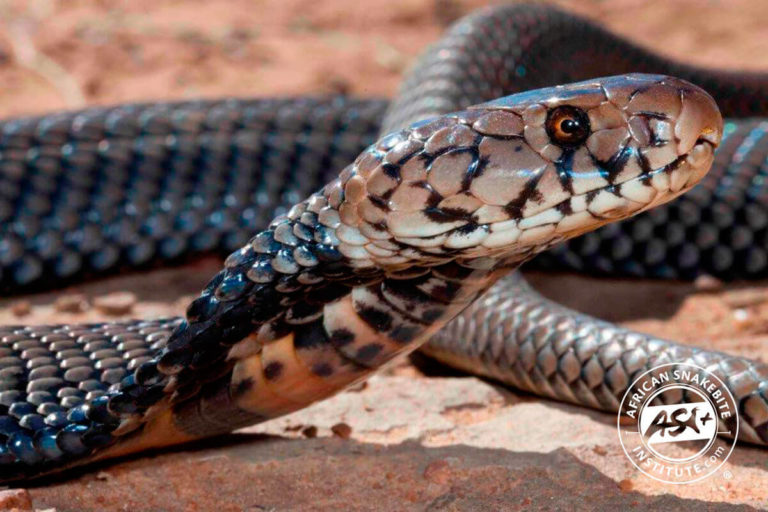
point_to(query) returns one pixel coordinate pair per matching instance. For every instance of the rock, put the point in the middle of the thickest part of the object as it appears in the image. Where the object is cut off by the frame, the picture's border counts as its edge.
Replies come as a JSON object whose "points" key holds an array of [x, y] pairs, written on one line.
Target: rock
{"points": [[626, 485], [115, 304], [706, 283], [15, 499], [342, 430], [21, 308], [309, 432], [438, 472], [71, 303]]}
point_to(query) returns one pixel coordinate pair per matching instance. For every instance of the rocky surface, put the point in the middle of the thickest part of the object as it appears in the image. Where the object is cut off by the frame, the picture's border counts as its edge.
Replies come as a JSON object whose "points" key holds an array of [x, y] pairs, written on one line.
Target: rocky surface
{"points": [[416, 444], [405, 441]]}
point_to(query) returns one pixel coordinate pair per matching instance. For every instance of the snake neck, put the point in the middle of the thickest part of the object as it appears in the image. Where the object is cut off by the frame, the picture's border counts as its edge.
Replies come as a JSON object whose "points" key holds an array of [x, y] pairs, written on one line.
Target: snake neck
{"points": [[299, 314], [345, 302]]}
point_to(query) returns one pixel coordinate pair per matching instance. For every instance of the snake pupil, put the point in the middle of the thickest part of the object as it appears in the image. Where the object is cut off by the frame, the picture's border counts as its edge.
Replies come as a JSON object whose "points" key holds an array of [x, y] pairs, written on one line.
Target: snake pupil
{"points": [[569, 125]]}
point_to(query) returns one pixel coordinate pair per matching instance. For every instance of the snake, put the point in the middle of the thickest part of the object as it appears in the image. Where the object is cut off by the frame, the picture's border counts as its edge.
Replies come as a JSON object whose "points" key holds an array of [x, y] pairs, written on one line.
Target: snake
{"points": [[396, 226]]}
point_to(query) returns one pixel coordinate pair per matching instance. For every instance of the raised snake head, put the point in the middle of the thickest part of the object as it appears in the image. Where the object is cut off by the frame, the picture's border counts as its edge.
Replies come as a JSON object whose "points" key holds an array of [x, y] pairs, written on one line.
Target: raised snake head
{"points": [[511, 177]]}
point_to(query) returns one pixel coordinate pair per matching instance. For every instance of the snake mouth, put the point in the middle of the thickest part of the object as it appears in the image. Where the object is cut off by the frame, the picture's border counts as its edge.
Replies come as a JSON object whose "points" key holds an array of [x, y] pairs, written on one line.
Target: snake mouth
{"points": [[709, 136]]}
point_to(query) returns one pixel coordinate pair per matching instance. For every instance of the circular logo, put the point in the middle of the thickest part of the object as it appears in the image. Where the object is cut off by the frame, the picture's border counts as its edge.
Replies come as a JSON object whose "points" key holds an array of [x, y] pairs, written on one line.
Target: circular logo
{"points": [[672, 422]]}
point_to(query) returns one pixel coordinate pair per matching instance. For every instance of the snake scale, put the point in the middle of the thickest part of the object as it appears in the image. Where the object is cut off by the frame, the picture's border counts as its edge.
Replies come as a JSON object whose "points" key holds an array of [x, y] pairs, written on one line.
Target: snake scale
{"points": [[360, 267]]}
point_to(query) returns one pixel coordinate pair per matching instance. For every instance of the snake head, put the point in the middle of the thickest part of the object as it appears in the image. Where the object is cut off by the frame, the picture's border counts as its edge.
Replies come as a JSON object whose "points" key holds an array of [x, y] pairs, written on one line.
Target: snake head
{"points": [[516, 175]]}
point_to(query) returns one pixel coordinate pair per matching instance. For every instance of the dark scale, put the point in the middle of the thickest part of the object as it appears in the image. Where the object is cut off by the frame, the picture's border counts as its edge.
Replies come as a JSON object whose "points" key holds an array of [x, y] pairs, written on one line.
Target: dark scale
{"points": [[151, 182], [43, 414]]}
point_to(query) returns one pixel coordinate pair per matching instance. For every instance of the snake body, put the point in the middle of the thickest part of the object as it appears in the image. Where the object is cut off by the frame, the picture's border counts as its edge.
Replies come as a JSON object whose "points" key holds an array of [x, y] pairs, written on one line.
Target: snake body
{"points": [[384, 256]]}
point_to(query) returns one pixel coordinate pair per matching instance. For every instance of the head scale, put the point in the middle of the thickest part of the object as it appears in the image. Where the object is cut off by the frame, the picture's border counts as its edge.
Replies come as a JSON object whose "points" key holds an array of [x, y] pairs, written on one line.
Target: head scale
{"points": [[509, 178]]}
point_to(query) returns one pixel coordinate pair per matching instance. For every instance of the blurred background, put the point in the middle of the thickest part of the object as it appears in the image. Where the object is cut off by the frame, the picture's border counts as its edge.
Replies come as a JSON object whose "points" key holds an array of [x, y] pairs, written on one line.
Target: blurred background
{"points": [[70, 53]]}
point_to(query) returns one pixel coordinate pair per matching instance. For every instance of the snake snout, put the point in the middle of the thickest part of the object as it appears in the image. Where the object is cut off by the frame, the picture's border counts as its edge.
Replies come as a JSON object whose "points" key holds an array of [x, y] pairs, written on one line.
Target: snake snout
{"points": [[676, 127], [698, 131], [699, 121]]}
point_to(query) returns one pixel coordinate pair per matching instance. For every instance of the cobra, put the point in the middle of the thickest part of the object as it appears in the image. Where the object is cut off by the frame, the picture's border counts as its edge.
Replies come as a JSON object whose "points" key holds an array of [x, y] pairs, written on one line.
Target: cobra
{"points": [[428, 224]]}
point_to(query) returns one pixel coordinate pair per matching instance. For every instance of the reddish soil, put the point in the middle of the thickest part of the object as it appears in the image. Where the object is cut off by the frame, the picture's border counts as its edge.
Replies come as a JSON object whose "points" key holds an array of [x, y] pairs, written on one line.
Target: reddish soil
{"points": [[416, 443]]}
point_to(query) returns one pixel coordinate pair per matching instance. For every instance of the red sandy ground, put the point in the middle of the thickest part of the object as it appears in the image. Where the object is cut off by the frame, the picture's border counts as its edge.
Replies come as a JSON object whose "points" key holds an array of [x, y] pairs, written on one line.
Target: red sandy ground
{"points": [[480, 446]]}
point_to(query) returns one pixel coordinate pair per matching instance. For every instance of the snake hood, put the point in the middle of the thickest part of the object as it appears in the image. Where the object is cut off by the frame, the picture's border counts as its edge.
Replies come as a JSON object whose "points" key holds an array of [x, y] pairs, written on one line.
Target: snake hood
{"points": [[523, 172], [378, 261]]}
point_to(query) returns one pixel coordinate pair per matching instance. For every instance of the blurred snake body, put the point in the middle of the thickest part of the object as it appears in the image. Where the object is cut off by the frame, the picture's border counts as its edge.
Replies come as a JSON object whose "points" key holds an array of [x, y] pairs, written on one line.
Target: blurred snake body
{"points": [[416, 239]]}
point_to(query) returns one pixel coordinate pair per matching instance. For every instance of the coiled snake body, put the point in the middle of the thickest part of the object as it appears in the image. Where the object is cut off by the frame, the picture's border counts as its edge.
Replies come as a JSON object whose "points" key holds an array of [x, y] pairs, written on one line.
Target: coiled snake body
{"points": [[387, 253]]}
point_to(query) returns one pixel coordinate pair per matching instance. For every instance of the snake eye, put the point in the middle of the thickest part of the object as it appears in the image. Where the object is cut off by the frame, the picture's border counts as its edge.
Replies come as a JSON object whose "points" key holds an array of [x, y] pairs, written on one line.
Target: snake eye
{"points": [[567, 126]]}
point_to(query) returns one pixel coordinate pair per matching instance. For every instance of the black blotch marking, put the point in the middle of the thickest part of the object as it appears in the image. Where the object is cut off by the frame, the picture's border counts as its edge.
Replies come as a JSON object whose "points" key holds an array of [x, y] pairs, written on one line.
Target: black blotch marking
{"points": [[513, 210], [386, 196], [536, 195], [565, 208], [531, 192], [404, 333], [416, 152], [564, 168], [322, 369], [310, 336], [475, 169], [379, 203], [379, 226], [273, 370], [376, 318], [391, 170], [616, 163], [656, 141], [342, 337], [672, 166], [426, 159], [431, 315], [468, 228], [279, 329], [242, 387], [644, 165], [368, 352], [443, 215], [304, 309], [434, 197]]}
